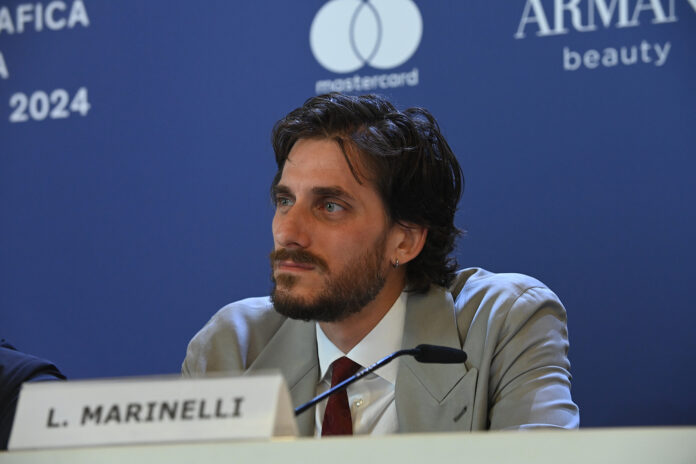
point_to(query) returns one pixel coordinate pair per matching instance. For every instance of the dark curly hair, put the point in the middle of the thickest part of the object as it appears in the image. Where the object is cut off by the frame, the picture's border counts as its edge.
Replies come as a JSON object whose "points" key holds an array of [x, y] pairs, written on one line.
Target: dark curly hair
{"points": [[408, 160]]}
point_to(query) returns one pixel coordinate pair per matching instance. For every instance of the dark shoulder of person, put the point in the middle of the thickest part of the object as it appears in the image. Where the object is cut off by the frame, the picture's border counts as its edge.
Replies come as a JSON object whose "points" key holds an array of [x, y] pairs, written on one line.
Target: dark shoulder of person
{"points": [[15, 369]]}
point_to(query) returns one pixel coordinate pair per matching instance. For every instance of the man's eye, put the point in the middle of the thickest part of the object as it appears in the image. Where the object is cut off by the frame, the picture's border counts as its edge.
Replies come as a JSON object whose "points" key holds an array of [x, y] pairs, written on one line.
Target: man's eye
{"points": [[332, 207], [283, 201]]}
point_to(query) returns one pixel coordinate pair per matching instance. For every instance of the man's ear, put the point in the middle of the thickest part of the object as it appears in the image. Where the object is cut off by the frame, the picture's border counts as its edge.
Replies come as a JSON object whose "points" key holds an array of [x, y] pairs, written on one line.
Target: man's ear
{"points": [[408, 242]]}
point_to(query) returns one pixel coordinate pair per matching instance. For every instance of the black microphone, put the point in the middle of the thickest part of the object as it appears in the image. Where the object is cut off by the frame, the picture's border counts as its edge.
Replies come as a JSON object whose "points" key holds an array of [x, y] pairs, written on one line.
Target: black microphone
{"points": [[421, 353]]}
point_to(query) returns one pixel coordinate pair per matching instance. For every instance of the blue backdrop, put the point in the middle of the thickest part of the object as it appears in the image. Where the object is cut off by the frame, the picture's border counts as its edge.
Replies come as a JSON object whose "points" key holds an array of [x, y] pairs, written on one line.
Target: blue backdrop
{"points": [[135, 163]]}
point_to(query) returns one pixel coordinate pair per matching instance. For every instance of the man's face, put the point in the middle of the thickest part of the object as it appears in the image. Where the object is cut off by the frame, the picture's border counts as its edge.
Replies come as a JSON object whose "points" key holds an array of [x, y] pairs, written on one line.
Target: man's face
{"points": [[330, 234]]}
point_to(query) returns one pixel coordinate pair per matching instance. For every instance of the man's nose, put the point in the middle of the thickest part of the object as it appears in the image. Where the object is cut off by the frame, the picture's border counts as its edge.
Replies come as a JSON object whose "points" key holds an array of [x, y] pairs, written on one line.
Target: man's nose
{"points": [[291, 228]]}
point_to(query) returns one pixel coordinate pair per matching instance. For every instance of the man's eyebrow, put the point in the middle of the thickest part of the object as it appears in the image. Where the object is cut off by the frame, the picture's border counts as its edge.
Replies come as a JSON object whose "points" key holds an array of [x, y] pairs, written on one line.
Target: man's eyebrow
{"points": [[332, 192], [280, 189]]}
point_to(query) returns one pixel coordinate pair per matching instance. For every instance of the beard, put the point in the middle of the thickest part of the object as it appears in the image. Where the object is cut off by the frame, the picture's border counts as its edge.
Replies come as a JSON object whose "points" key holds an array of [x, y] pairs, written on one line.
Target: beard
{"points": [[345, 293]]}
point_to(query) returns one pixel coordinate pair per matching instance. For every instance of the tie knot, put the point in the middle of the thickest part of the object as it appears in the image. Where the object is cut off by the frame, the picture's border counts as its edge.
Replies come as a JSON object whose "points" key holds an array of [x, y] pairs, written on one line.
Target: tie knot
{"points": [[342, 369]]}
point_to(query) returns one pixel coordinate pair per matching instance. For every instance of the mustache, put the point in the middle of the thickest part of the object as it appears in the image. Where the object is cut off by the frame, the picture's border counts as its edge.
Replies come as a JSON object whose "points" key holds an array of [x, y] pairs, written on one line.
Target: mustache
{"points": [[298, 256]]}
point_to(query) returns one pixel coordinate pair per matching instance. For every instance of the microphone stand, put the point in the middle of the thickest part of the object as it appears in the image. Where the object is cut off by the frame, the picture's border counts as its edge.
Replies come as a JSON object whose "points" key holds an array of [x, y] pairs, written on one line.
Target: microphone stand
{"points": [[387, 359], [422, 353]]}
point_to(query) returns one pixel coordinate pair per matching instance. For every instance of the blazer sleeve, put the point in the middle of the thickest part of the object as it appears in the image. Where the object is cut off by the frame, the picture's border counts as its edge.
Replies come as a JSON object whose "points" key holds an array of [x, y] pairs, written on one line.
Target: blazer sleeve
{"points": [[529, 378]]}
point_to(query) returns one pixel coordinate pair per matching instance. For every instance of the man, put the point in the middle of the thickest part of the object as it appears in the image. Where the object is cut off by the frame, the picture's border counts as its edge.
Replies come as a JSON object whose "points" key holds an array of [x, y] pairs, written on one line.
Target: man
{"points": [[365, 200]]}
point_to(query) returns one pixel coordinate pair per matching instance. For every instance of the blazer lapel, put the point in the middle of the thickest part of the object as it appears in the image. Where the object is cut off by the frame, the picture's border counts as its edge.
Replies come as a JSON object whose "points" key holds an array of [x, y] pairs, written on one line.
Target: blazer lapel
{"points": [[433, 397], [293, 350]]}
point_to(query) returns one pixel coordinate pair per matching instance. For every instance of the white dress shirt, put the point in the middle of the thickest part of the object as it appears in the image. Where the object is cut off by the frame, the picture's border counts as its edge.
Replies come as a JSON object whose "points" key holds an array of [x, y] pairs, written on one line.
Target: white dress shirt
{"points": [[371, 398]]}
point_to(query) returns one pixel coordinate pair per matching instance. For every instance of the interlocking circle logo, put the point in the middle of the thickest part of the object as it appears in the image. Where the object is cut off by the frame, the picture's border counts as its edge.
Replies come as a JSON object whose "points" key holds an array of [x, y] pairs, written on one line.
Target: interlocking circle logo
{"points": [[347, 34]]}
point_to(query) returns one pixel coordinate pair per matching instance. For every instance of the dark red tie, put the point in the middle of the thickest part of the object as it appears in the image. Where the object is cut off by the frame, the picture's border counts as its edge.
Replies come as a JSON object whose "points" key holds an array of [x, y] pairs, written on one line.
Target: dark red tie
{"points": [[337, 419]]}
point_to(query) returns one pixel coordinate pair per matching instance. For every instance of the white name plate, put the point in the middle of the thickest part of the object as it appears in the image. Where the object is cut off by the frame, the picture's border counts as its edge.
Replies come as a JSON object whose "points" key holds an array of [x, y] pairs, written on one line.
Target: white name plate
{"points": [[164, 409]]}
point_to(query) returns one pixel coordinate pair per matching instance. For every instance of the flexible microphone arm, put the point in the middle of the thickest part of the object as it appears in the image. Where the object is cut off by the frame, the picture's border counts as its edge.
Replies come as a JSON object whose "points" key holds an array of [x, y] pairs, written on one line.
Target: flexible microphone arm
{"points": [[422, 353]]}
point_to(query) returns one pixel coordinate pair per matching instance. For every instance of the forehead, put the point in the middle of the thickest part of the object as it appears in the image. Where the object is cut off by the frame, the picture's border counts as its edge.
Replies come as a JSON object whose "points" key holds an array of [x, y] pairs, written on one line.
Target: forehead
{"points": [[312, 162]]}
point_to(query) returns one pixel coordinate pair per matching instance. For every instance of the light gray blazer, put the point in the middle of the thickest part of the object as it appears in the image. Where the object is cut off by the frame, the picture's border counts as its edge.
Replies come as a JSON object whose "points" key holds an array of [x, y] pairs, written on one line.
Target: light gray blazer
{"points": [[512, 327]]}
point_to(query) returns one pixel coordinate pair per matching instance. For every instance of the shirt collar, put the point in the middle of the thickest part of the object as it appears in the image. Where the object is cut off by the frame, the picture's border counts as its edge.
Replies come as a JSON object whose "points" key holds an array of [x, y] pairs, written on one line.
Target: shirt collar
{"points": [[383, 339]]}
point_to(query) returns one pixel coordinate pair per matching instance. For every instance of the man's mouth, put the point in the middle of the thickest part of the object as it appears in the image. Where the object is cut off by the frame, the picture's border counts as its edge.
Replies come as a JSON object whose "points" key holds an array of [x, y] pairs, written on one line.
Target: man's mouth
{"points": [[288, 265]]}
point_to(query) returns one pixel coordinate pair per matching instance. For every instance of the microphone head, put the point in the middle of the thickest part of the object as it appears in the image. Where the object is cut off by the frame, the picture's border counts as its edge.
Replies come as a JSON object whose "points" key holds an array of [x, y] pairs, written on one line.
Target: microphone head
{"points": [[439, 354]]}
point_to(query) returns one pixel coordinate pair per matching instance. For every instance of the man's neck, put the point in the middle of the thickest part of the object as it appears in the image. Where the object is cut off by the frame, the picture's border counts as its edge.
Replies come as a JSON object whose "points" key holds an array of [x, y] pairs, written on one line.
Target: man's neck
{"points": [[347, 333]]}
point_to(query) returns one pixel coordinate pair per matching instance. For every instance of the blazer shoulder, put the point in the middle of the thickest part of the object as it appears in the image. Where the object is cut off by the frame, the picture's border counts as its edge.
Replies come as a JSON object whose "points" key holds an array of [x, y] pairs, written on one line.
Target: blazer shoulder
{"points": [[486, 297], [476, 280], [233, 337]]}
